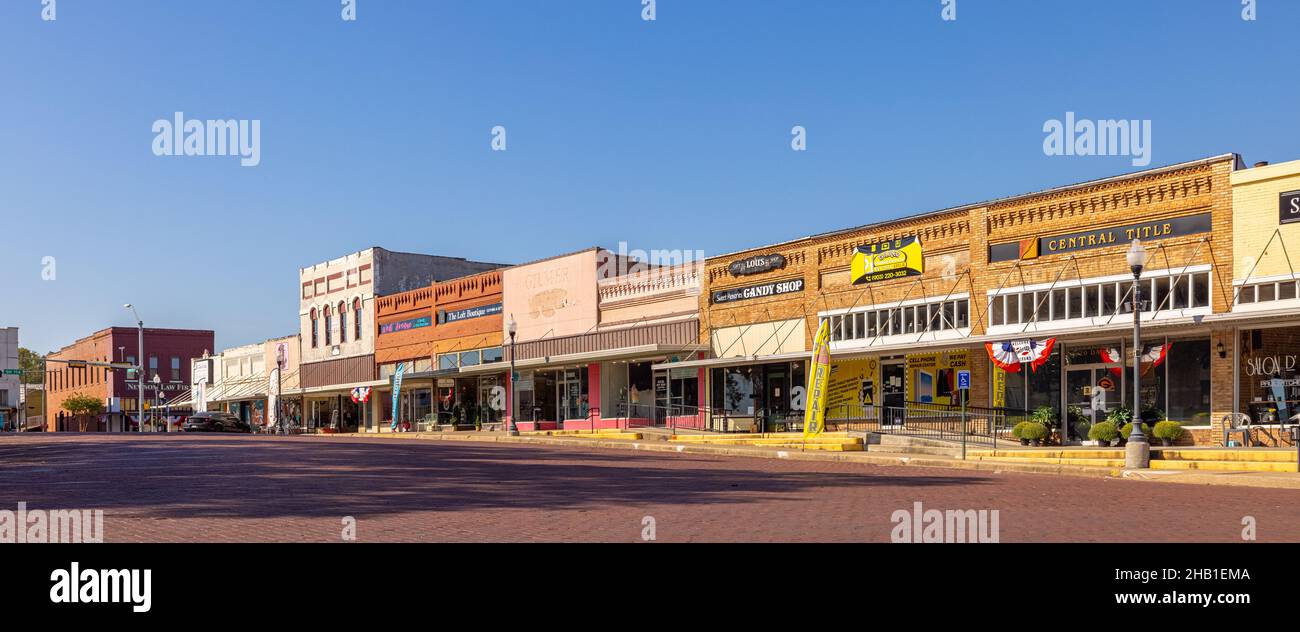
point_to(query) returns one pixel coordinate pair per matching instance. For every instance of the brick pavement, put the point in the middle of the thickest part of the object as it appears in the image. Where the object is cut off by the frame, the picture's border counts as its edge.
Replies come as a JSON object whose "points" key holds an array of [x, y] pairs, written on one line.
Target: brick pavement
{"points": [[170, 488]]}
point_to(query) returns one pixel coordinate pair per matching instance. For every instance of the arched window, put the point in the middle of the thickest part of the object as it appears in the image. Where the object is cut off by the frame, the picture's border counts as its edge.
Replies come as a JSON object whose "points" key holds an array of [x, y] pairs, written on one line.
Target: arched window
{"points": [[329, 327], [356, 318], [343, 322], [315, 328]]}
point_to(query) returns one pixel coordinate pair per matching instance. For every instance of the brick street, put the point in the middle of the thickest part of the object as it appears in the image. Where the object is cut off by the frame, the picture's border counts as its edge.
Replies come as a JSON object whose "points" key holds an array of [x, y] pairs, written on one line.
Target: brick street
{"points": [[171, 488]]}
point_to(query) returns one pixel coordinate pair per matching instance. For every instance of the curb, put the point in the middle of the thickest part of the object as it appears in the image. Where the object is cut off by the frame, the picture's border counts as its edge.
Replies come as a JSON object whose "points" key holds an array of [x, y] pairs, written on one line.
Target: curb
{"points": [[1229, 479]]}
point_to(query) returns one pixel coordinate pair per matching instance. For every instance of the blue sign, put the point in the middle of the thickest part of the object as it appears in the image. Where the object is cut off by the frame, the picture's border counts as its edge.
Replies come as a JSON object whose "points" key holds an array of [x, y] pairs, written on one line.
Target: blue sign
{"points": [[963, 380], [468, 313], [397, 391]]}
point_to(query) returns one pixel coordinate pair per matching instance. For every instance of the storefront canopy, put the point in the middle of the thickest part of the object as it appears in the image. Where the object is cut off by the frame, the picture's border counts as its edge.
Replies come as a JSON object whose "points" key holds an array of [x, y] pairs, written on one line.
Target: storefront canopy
{"points": [[608, 355]]}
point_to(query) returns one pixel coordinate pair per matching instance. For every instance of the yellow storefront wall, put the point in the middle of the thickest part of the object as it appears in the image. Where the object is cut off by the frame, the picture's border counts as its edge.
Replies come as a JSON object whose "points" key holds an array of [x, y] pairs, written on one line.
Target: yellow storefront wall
{"points": [[932, 377]]}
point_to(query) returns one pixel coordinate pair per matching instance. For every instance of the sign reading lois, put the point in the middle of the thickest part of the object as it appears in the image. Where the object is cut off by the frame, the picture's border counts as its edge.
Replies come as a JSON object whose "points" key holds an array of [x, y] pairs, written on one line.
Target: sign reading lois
{"points": [[887, 260]]}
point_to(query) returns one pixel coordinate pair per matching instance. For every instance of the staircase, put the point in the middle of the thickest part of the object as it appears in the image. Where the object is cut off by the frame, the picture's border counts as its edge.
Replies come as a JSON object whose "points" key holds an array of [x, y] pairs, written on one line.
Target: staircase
{"points": [[1202, 459], [828, 442]]}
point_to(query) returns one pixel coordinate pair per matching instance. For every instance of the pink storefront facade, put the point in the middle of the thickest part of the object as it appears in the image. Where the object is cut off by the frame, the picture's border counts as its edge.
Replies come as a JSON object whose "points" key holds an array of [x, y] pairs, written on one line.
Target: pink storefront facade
{"points": [[589, 329]]}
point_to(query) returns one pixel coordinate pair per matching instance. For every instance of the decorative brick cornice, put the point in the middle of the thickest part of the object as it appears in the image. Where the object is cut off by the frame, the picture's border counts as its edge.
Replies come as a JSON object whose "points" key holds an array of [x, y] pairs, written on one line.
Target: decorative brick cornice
{"points": [[954, 228], [1102, 198], [649, 284], [721, 270]]}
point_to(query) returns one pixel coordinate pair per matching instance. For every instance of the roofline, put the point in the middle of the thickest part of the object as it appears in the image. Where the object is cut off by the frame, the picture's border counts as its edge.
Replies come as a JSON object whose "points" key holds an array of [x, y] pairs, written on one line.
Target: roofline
{"points": [[1237, 163]]}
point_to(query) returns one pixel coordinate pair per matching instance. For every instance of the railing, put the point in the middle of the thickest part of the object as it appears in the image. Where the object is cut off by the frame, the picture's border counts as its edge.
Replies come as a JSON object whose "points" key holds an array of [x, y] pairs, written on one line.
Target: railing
{"points": [[948, 422]]}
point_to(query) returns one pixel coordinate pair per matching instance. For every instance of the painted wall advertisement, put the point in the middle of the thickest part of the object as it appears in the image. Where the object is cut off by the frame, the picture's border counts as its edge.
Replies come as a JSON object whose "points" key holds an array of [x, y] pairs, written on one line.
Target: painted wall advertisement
{"points": [[852, 384]]}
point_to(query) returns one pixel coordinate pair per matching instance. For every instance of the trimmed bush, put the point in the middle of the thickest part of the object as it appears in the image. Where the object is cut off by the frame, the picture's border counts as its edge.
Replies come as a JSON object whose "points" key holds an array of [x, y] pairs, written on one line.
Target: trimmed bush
{"points": [[1169, 431], [1103, 431], [1128, 430], [1033, 431]]}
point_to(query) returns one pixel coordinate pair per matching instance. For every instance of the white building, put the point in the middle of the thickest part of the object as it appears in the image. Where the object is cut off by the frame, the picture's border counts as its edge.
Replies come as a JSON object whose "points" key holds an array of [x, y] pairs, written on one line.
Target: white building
{"points": [[10, 388]]}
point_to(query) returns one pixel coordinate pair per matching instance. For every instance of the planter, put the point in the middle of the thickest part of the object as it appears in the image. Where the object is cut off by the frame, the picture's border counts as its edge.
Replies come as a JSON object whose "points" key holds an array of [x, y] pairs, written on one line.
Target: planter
{"points": [[1104, 444], [1024, 442], [1091, 443], [1036, 443], [1166, 442]]}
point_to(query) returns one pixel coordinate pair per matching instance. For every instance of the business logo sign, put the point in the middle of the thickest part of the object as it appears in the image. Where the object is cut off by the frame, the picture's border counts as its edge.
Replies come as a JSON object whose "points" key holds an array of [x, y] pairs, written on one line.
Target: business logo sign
{"points": [[765, 290], [1290, 207], [757, 265], [405, 325], [458, 315], [1101, 238], [887, 260]]}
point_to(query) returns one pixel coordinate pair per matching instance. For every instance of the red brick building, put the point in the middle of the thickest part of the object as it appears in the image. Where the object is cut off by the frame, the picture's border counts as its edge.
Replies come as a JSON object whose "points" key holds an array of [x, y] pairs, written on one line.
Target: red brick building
{"points": [[167, 353]]}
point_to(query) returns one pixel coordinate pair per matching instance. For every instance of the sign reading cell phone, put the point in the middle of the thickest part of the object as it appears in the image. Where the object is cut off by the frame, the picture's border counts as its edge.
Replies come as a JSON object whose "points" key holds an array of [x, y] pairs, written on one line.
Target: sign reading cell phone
{"points": [[1290, 207]]}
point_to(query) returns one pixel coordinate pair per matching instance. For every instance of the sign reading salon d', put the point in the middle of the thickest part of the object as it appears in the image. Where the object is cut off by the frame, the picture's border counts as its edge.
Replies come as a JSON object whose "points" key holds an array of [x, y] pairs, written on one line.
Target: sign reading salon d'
{"points": [[887, 260]]}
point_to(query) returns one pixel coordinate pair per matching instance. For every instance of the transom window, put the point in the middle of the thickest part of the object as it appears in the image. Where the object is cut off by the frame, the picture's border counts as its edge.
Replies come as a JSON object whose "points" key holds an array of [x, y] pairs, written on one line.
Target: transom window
{"points": [[1266, 292], [1100, 300], [908, 319]]}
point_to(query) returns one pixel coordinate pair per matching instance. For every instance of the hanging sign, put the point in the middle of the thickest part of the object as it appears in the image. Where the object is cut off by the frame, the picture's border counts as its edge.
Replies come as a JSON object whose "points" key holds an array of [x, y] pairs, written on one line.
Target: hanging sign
{"points": [[1008, 356], [887, 260]]}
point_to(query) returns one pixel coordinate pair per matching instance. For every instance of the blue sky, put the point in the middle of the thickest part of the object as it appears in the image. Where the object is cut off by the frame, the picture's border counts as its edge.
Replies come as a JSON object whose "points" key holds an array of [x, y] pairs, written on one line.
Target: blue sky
{"points": [[666, 134]]}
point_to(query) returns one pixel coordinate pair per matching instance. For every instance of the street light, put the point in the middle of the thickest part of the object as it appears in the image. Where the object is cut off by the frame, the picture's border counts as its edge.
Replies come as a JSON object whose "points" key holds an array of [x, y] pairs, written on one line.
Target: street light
{"points": [[139, 366], [157, 385], [511, 328], [1137, 452]]}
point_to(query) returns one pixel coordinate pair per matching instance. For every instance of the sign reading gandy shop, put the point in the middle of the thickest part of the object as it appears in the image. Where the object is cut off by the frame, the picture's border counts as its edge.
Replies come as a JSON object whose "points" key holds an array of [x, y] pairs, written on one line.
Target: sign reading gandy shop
{"points": [[757, 265], [1035, 247], [887, 260], [1290, 207], [765, 290]]}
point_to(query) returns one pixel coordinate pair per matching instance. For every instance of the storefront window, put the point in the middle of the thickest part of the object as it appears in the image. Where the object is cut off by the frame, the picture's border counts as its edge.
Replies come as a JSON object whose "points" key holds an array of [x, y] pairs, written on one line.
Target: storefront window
{"points": [[1270, 375], [733, 390], [447, 361], [1188, 382]]}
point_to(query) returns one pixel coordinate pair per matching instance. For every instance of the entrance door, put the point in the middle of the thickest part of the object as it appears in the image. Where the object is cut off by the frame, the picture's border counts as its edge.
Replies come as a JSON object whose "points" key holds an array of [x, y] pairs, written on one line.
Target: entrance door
{"points": [[1095, 391], [776, 396], [568, 391], [893, 393]]}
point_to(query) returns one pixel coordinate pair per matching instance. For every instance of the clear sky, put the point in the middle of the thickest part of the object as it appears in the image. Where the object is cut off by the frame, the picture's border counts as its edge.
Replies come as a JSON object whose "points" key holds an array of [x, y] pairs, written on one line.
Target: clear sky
{"points": [[667, 134]]}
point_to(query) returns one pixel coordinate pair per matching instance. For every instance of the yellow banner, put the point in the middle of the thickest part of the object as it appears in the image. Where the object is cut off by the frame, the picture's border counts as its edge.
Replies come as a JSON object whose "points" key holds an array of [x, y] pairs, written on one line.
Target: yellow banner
{"points": [[887, 260], [814, 420]]}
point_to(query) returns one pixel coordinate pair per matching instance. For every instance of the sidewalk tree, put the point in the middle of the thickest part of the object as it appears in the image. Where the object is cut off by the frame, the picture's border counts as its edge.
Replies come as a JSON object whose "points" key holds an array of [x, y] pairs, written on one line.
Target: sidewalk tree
{"points": [[82, 407]]}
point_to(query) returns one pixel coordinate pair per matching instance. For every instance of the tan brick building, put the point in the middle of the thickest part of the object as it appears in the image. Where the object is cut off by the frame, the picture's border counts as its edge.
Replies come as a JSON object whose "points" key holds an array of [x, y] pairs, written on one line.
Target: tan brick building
{"points": [[1042, 267]]}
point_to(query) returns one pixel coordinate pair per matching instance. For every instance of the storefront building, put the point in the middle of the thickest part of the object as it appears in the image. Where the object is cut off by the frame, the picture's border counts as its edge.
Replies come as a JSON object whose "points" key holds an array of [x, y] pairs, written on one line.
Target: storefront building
{"points": [[337, 312], [913, 303], [591, 327], [1266, 316], [257, 383]]}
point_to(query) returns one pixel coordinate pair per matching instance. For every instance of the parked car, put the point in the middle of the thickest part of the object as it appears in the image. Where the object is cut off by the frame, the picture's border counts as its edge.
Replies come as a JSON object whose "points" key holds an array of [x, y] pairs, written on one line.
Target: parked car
{"points": [[215, 422]]}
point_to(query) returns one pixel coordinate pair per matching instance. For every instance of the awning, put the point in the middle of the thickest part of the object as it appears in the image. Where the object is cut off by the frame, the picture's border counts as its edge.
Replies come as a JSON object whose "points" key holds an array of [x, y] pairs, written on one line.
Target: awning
{"points": [[735, 361], [607, 355]]}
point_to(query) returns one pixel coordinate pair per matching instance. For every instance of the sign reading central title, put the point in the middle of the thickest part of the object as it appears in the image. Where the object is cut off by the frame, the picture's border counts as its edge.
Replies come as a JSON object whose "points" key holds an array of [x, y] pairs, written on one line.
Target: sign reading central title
{"points": [[885, 260]]}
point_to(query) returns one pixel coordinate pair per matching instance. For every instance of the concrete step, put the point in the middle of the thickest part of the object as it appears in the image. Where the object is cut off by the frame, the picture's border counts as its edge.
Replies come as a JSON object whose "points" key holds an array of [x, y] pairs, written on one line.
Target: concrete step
{"points": [[1223, 466], [915, 449], [1054, 454], [1248, 454], [1050, 461]]}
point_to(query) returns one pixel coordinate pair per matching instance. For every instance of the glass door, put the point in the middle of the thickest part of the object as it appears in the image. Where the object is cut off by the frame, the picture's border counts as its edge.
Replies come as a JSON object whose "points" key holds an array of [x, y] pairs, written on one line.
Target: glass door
{"points": [[893, 392], [1093, 392]]}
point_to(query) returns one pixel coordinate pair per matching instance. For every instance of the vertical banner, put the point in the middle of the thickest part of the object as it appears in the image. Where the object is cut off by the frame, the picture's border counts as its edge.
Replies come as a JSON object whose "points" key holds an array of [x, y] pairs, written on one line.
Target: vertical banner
{"points": [[397, 391], [815, 416]]}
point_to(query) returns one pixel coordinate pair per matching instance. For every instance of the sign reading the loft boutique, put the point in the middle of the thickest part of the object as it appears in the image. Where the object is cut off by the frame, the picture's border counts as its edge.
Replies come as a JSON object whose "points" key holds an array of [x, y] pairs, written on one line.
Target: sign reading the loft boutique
{"points": [[468, 313], [887, 260], [1290, 207], [758, 291], [757, 265], [1101, 238], [405, 325]]}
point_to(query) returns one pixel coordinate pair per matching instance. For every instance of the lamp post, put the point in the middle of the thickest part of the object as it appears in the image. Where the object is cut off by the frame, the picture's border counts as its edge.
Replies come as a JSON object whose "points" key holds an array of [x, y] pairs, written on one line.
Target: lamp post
{"points": [[511, 328], [139, 366], [1137, 452], [157, 385]]}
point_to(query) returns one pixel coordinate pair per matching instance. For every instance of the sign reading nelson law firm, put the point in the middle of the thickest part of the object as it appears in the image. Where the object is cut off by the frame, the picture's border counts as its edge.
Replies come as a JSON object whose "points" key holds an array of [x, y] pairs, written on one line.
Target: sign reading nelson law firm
{"points": [[1101, 238], [758, 291], [1290, 207], [885, 260], [404, 325]]}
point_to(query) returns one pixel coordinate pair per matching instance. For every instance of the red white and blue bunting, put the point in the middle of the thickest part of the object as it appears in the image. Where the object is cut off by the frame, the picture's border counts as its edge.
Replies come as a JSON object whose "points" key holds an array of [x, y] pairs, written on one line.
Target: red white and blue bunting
{"points": [[361, 394], [1008, 356], [1152, 356]]}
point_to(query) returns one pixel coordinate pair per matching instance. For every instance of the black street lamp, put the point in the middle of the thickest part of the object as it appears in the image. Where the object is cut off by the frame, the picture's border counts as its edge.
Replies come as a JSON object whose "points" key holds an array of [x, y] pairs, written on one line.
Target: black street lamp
{"points": [[511, 328], [1137, 452]]}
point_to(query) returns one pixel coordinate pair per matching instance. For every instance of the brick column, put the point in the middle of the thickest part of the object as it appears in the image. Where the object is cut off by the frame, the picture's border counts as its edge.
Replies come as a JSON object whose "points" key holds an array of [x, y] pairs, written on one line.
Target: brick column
{"points": [[593, 391], [1222, 385]]}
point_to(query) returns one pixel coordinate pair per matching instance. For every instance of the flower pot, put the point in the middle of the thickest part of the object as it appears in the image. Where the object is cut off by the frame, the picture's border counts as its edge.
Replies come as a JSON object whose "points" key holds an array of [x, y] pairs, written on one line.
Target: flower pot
{"points": [[1024, 442], [1104, 444], [1166, 442]]}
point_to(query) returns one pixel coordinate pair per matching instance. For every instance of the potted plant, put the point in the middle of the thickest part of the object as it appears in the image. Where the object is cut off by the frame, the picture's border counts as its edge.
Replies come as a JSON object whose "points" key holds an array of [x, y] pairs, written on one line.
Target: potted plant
{"points": [[1081, 430], [1034, 432], [1127, 430], [1103, 433], [1017, 432], [1168, 432], [1046, 416], [1118, 418]]}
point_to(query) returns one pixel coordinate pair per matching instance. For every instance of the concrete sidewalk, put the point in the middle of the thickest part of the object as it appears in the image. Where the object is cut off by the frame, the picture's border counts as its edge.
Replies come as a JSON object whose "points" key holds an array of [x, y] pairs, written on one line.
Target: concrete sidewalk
{"points": [[1273, 480]]}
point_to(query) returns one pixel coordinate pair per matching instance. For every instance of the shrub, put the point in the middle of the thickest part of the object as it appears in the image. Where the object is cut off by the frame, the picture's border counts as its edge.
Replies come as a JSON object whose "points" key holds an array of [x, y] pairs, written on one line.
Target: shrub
{"points": [[1018, 428], [1033, 431], [1120, 416], [1103, 431], [1170, 430], [1045, 415], [1128, 430]]}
